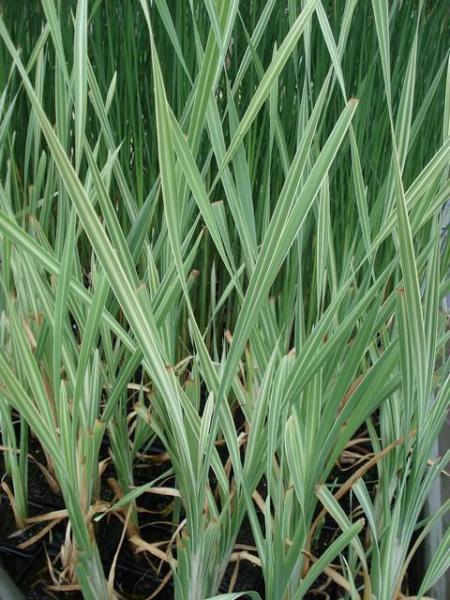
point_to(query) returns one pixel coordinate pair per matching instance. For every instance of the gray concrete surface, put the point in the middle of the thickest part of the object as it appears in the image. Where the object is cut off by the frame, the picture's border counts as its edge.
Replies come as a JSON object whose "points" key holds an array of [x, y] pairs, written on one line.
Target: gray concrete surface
{"points": [[441, 491], [8, 590]]}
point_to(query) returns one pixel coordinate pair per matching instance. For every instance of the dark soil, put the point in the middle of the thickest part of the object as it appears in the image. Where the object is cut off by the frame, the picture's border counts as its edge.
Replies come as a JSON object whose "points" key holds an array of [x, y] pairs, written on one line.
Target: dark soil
{"points": [[137, 576]]}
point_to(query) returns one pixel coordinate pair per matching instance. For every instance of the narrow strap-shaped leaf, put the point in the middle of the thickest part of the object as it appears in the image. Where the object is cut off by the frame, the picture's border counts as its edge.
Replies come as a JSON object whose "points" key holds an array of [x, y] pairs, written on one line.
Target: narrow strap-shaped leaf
{"points": [[61, 299], [80, 78], [330, 553]]}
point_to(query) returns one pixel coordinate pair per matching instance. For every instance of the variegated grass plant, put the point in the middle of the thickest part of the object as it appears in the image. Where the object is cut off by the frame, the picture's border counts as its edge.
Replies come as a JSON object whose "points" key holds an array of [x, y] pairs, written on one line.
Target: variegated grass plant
{"points": [[234, 209]]}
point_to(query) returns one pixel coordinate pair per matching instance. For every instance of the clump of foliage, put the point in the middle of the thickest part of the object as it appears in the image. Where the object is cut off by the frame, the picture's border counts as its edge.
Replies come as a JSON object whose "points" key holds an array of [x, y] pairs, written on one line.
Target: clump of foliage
{"points": [[220, 228]]}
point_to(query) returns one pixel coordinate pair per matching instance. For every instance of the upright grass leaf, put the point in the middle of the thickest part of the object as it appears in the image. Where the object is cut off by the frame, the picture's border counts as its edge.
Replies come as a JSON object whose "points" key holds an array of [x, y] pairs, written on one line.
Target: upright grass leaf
{"points": [[80, 78], [61, 297]]}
